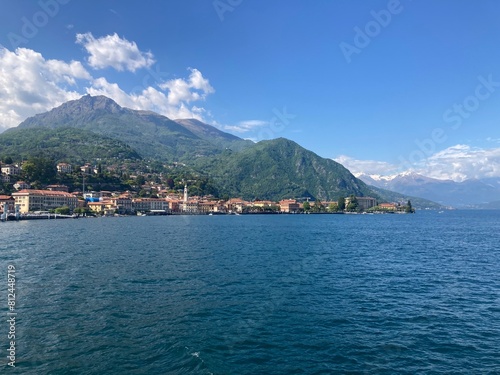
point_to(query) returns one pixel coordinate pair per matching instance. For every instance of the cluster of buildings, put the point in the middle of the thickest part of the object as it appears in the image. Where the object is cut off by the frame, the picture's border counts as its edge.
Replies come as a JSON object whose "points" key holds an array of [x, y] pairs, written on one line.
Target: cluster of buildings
{"points": [[124, 203], [10, 173], [26, 200], [109, 203]]}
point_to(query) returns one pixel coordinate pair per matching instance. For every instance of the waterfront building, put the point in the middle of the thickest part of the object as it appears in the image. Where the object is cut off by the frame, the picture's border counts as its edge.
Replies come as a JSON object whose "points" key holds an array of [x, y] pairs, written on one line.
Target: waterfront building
{"points": [[9, 201], [388, 206], [43, 200], [236, 205], [364, 203], [192, 206], [150, 204], [289, 205], [123, 203], [97, 207], [173, 204]]}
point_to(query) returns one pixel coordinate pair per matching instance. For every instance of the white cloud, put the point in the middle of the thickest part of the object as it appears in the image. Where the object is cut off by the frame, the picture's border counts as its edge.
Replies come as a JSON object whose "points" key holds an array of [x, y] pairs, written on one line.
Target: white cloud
{"points": [[195, 88], [246, 126], [30, 84], [458, 163], [172, 100], [113, 51], [462, 162], [369, 167]]}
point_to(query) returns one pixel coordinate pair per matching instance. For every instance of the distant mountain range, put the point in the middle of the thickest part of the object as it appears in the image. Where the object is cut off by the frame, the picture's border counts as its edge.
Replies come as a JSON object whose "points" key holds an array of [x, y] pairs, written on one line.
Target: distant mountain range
{"points": [[97, 127], [466, 194]]}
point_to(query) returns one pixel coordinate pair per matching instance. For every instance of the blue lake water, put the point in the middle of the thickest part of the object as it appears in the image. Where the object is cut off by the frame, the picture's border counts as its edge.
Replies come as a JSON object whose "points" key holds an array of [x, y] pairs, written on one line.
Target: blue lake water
{"points": [[271, 294]]}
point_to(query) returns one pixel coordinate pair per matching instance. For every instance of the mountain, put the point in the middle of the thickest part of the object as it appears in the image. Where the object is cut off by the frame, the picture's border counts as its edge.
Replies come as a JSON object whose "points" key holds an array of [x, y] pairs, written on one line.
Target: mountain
{"points": [[63, 144], [97, 127], [150, 134], [278, 169], [446, 192], [214, 135]]}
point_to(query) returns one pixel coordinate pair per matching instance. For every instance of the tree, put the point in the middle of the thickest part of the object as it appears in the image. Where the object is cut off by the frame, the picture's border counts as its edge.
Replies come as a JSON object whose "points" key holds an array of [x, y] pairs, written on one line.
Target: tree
{"points": [[409, 209], [142, 193], [332, 207], [64, 210], [170, 183], [341, 204], [140, 180], [7, 160], [306, 206], [318, 206], [39, 170], [353, 204]]}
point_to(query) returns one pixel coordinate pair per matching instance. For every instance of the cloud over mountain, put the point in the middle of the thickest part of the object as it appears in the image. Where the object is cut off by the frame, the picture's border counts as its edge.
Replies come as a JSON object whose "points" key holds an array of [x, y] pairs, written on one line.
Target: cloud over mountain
{"points": [[31, 84], [457, 163], [462, 162], [367, 166]]}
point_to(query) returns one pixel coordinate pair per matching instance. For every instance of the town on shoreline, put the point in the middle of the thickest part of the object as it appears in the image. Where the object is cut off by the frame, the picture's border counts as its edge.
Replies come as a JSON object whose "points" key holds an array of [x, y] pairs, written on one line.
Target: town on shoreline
{"points": [[56, 200], [26, 202]]}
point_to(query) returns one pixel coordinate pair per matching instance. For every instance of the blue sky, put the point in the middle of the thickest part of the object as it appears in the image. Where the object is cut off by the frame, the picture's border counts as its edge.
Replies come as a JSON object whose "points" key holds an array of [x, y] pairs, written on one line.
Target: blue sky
{"points": [[382, 86]]}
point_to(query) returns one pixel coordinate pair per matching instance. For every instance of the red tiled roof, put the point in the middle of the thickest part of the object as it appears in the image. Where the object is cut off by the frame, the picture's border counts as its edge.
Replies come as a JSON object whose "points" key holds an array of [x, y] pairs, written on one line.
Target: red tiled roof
{"points": [[43, 192]]}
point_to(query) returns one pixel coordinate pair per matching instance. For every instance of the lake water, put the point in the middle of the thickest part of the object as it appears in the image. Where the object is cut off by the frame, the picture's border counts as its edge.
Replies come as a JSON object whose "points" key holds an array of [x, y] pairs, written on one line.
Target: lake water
{"points": [[270, 294]]}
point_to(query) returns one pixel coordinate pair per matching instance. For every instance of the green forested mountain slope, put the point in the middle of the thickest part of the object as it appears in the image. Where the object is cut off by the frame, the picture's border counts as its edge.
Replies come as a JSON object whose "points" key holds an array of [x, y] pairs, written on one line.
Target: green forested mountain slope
{"points": [[280, 168], [63, 144], [150, 134]]}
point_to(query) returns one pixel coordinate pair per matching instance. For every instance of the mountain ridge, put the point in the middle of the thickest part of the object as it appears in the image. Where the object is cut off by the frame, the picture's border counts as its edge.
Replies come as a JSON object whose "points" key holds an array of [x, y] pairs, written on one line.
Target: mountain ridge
{"points": [[273, 169], [149, 133]]}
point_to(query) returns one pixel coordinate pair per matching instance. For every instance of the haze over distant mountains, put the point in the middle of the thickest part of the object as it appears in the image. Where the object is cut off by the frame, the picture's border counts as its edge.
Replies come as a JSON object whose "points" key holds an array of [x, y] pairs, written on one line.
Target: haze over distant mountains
{"points": [[466, 194], [272, 169]]}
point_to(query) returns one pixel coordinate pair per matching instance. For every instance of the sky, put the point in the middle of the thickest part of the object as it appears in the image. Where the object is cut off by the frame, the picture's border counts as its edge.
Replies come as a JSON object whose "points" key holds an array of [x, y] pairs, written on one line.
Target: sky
{"points": [[380, 86]]}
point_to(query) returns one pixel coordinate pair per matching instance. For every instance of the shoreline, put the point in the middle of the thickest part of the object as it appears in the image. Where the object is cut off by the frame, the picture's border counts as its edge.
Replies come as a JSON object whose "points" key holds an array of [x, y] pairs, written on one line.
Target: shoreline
{"points": [[24, 217]]}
